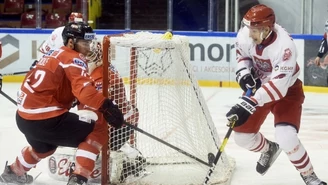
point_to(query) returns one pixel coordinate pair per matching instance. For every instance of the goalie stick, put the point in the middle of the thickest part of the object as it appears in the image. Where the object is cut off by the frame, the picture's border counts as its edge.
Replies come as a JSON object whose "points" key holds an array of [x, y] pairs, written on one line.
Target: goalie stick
{"points": [[166, 143], [231, 125]]}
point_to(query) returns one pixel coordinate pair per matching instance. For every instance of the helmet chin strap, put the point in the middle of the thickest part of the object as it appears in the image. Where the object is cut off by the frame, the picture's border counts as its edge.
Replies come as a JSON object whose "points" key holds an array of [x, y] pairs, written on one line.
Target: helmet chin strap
{"points": [[261, 35]]}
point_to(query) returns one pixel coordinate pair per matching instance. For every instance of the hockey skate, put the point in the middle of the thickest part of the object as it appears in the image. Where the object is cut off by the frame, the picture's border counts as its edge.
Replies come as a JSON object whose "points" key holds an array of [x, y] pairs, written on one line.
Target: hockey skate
{"points": [[312, 180], [75, 179], [8, 176], [268, 158]]}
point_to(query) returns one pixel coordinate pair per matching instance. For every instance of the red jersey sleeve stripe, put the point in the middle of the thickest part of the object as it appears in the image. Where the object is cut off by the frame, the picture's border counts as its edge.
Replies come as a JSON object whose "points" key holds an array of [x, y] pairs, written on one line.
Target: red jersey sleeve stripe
{"points": [[269, 93], [275, 89]]}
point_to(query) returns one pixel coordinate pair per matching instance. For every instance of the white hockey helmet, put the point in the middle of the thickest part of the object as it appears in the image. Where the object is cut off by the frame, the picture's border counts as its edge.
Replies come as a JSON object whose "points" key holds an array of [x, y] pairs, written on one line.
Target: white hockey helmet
{"points": [[326, 26]]}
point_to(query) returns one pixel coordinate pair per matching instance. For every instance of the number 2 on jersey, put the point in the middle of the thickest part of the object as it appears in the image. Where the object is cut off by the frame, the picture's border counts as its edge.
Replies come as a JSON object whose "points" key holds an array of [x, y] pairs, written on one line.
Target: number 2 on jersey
{"points": [[38, 75]]}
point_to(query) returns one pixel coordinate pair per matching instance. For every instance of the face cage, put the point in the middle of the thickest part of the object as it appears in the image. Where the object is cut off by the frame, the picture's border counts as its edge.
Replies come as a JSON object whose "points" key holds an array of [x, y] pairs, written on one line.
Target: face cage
{"points": [[95, 54]]}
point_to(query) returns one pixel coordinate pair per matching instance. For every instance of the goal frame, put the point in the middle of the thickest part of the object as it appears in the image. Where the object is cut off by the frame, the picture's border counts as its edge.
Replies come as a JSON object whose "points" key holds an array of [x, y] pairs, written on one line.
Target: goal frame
{"points": [[107, 58]]}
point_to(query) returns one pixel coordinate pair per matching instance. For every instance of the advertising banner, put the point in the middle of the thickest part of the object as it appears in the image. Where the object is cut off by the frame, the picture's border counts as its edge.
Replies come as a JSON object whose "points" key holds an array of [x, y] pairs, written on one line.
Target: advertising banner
{"points": [[211, 55]]}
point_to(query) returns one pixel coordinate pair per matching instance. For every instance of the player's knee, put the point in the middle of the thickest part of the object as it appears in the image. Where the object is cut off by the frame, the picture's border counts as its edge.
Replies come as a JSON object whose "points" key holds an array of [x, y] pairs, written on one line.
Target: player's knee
{"points": [[245, 140], [286, 136]]}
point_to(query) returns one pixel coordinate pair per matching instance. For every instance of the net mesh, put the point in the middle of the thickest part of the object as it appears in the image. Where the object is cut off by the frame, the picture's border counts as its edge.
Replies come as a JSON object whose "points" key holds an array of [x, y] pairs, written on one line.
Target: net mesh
{"points": [[152, 81]]}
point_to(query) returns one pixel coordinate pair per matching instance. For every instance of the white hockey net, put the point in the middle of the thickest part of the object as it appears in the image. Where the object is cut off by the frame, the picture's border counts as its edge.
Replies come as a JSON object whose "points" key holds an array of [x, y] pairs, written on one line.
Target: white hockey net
{"points": [[160, 83]]}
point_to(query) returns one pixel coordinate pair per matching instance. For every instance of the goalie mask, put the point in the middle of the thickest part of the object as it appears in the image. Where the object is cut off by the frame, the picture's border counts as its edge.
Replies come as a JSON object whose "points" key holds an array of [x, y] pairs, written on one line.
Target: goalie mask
{"points": [[94, 57]]}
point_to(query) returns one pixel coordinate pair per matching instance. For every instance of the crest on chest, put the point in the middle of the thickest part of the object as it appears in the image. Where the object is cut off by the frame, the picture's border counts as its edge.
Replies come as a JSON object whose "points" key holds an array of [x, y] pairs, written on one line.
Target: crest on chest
{"points": [[262, 64]]}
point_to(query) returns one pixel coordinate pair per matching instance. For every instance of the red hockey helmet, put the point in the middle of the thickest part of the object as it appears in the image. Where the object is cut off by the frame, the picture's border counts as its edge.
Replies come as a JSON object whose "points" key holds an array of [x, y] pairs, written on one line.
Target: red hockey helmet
{"points": [[259, 16], [75, 17]]}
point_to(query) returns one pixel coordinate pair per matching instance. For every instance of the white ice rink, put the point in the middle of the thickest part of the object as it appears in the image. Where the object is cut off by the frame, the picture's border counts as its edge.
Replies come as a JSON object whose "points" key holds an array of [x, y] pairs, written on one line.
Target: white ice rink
{"points": [[313, 134]]}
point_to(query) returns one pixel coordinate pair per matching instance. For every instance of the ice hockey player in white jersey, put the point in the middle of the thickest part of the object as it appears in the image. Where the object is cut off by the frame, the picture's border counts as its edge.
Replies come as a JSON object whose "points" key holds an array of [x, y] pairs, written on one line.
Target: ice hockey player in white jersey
{"points": [[323, 47], [266, 56], [55, 40]]}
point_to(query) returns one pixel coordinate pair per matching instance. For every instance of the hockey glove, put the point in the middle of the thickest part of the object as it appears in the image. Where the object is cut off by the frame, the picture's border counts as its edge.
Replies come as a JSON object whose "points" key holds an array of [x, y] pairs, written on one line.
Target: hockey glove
{"points": [[33, 64], [247, 79], [112, 113], [241, 111]]}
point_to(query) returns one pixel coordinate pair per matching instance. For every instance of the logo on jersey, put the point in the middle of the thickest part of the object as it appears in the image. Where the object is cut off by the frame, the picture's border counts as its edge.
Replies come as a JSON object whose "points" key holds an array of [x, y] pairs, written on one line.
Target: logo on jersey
{"points": [[263, 64], [80, 62], [98, 86], [286, 69], [276, 68], [21, 96], [287, 54]]}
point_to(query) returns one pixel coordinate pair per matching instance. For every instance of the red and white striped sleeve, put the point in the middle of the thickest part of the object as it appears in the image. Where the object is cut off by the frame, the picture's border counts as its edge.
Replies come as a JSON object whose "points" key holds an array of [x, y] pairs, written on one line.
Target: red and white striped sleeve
{"points": [[284, 75]]}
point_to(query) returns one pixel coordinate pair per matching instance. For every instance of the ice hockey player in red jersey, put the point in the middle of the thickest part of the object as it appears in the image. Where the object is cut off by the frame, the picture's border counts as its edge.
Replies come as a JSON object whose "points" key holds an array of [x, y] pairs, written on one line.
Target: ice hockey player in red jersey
{"points": [[44, 101], [266, 56], [323, 47]]}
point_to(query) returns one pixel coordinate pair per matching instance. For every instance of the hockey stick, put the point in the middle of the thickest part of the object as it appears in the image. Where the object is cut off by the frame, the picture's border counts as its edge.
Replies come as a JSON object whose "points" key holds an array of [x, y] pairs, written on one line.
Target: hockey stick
{"points": [[231, 125], [4, 94], [8, 97], [167, 144], [15, 73]]}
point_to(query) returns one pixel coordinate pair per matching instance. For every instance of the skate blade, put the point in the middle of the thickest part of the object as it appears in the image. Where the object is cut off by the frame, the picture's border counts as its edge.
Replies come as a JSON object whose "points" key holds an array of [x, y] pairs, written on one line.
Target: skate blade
{"points": [[272, 161]]}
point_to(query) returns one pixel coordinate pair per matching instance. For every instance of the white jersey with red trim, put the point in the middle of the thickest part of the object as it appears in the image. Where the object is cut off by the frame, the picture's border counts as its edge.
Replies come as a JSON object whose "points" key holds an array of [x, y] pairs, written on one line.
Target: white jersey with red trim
{"points": [[274, 63], [54, 41]]}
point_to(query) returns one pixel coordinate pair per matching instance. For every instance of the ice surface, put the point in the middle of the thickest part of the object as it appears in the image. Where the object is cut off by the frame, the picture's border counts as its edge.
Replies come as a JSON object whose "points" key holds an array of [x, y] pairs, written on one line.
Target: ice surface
{"points": [[313, 134]]}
